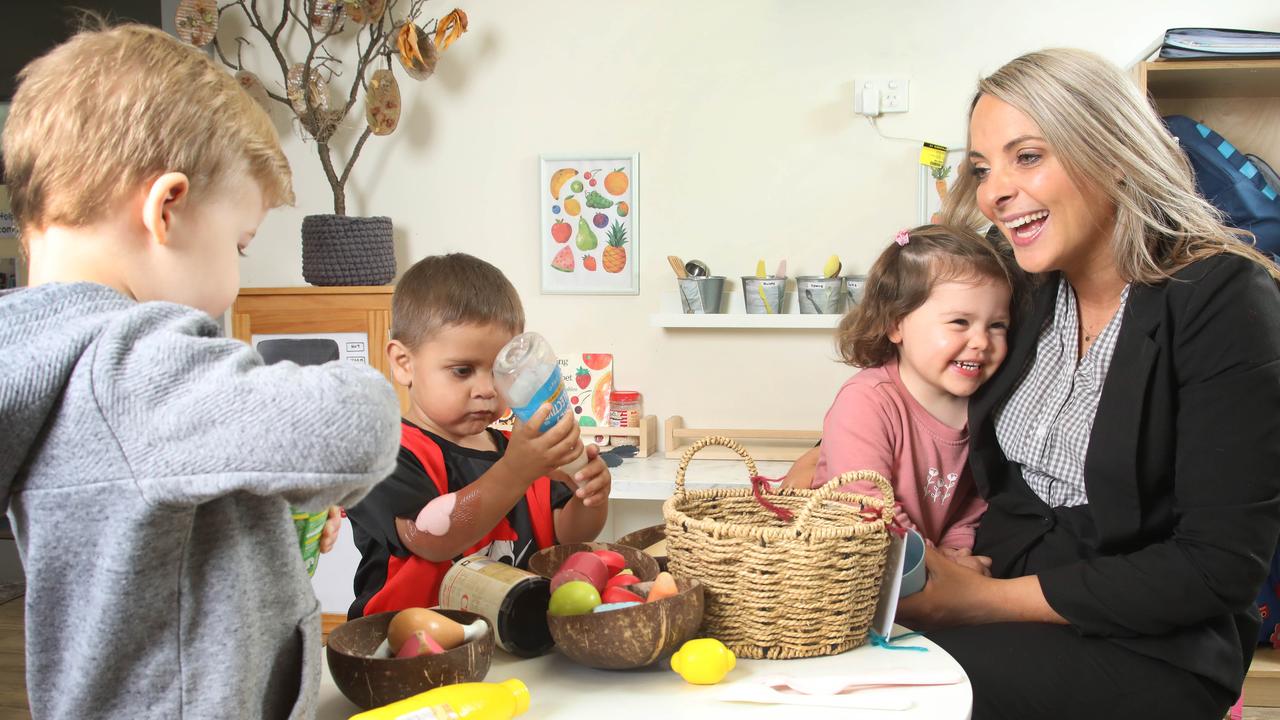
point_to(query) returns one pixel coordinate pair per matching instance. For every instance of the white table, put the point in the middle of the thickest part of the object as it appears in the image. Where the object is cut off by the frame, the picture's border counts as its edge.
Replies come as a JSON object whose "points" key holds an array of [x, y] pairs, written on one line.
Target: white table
{"points": [[560, 688]]}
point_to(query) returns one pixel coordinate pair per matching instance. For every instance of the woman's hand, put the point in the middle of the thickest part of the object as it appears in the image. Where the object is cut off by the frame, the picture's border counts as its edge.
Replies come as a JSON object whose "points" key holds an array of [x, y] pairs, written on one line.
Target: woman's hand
{"points": [[959, 595], [954, 595], [966, 558]]}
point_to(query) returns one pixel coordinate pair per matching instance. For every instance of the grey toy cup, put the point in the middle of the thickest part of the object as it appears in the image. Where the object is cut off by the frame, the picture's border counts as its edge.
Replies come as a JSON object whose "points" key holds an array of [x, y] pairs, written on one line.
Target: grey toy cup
{"points": [[819, 295], [700, 295], [763, 296]]}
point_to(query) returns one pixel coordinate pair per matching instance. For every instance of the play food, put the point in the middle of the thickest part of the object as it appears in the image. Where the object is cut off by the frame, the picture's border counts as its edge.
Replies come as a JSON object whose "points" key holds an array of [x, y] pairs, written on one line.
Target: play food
{"points": [[622, 579], [473, 700], [444, 631], [832, 267], [606, 607], [547, 561], [568, 575], [590, 565], [617, 594], [419, 643], [573, 598], [664, 586], [613, 560], [703, 661]]}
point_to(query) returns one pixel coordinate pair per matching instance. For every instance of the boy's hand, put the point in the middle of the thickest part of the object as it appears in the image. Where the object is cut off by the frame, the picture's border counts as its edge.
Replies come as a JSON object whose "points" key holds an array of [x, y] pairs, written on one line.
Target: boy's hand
{"points": [[332, 528], [533, 453], [594, 481]]}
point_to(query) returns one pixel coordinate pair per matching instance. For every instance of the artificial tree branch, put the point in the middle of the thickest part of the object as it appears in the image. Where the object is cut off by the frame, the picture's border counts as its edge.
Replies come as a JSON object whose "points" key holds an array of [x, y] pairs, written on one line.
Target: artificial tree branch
{"points": [[355, 153], [374, 44]]}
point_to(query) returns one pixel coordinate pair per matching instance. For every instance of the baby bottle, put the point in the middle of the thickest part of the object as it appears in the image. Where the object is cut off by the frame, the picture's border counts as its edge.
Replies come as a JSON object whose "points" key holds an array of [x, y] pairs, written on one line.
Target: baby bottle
{"points": [[527, 374]]}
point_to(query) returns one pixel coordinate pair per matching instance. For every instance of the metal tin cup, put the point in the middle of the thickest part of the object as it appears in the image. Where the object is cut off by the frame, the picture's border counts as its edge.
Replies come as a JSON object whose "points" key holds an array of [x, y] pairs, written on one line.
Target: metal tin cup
{"points": [[913, 572], [854, 285], [699, 295], [763, 296], [819, 295]]}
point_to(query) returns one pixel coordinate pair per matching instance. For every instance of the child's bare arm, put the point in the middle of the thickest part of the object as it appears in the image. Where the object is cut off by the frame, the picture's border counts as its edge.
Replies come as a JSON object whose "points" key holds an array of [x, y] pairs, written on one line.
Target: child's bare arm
{"points": [[451, 523], [583, 517], [800, 476]]}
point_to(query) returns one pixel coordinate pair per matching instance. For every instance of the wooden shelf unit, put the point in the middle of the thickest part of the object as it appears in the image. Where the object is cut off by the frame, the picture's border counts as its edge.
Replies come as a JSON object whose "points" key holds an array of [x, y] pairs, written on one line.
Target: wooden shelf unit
{"points": [[1239, 99], [353, 309]]}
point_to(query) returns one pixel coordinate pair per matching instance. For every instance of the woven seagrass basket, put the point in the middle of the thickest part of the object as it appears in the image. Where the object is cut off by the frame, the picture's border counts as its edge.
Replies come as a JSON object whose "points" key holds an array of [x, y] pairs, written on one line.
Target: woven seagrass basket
{"points": [[778, 588]]}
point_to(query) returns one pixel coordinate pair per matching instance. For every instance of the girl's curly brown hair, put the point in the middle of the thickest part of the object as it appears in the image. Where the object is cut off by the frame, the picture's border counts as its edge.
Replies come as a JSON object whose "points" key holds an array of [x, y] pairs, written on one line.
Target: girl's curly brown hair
{"points": [[902, 279]]}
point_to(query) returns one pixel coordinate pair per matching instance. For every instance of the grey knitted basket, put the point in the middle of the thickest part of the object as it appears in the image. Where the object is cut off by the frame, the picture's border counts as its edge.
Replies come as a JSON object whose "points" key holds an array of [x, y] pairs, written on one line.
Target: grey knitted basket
{"points": [[342, 250]]}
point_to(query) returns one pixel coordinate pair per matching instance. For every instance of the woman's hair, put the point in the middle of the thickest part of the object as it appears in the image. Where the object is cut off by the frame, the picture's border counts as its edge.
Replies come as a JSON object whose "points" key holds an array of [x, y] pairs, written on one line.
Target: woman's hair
{"points": [[1109, 137], [902, 279]]}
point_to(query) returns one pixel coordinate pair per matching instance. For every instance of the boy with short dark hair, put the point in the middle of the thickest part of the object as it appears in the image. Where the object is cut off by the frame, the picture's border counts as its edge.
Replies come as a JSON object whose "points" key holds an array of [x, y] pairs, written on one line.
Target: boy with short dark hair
{"points": [[460, 487], [149, 465]]}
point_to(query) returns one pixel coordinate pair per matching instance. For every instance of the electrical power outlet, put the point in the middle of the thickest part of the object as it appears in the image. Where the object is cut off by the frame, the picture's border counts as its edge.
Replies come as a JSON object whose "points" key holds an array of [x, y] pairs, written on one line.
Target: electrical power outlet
{"points": [[881, 94]]}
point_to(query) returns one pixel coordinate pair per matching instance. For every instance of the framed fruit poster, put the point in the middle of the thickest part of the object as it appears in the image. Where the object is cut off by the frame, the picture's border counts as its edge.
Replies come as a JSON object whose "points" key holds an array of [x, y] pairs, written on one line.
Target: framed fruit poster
{"points": [[590, 224], [588, 377]]}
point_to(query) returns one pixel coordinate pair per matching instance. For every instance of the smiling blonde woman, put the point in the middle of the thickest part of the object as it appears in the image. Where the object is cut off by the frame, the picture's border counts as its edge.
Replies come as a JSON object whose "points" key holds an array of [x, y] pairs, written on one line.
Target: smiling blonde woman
{"points": [[1127, 447]]}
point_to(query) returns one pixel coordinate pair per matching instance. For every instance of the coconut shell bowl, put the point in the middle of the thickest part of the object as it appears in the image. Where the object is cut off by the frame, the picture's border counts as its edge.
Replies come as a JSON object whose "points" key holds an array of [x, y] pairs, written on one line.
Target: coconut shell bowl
{"points": [[647, 537], [373, 682], [627, 637]]}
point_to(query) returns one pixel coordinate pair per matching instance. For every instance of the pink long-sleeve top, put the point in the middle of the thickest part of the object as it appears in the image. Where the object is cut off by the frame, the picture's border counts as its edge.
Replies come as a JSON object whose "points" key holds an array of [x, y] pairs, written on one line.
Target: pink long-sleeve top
{"points": [[876, 424]]}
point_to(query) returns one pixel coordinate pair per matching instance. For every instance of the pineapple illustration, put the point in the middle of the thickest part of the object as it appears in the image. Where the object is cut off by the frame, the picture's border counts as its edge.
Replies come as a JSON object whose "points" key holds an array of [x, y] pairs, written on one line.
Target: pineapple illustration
{"points": [[615, 255]]}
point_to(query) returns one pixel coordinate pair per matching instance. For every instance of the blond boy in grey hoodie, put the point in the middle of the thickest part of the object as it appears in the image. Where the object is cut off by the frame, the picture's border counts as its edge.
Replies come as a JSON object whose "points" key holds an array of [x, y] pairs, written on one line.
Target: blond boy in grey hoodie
{"points": [[147, 464]]}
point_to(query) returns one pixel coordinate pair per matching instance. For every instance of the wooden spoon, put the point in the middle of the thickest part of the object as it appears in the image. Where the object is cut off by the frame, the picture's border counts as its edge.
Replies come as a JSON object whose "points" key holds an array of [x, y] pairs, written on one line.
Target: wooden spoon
{"points": [[678, 265]]}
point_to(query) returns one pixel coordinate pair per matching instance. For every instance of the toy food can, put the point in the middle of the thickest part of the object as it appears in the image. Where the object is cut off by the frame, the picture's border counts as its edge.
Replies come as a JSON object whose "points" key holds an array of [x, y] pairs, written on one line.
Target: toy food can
{"points": [[310, 526], [514, 601]]}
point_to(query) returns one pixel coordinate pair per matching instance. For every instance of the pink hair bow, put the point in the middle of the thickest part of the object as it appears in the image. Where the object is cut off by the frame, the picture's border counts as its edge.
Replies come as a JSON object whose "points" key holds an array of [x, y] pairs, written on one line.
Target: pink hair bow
{"points": [[902, 238]]}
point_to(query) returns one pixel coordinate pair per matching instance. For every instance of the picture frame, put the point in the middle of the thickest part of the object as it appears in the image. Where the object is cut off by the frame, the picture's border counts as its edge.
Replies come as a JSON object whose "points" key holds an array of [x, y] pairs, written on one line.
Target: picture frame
{"points": [[589, 233]]}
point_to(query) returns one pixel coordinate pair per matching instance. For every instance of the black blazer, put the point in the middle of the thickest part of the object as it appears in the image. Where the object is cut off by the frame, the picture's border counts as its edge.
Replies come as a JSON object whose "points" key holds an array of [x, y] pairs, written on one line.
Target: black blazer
{"points": [[1182, 471]]}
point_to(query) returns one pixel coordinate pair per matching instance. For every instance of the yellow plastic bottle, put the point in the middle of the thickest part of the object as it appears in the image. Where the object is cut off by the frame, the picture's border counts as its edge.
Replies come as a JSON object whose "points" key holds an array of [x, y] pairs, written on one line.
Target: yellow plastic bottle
{"points": [[464, 701]]}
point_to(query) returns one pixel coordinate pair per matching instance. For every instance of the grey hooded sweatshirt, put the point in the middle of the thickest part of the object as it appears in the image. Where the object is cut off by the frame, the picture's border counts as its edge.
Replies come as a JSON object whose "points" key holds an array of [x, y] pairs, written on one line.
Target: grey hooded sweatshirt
{"points": [[148, 467]]}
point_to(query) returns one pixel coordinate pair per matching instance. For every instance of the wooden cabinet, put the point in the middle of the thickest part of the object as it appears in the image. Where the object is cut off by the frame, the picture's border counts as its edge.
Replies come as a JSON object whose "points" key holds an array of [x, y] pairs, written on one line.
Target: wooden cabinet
{"points": [[1239, 99], [320, 310]]}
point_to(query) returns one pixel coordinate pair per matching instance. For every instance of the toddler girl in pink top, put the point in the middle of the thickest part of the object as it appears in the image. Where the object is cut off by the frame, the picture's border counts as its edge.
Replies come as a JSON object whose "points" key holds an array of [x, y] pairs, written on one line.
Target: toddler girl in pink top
{"points": [[931, 328]]}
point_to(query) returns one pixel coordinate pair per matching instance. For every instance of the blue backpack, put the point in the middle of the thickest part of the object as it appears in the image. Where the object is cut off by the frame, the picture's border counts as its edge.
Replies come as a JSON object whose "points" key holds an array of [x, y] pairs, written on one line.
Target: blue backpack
{"points": [[1242, 188], [1234, 183]]}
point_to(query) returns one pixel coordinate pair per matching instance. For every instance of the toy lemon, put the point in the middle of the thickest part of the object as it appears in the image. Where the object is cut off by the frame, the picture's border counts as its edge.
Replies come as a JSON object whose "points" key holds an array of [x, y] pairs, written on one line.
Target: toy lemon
{"points": [[703, 661]]}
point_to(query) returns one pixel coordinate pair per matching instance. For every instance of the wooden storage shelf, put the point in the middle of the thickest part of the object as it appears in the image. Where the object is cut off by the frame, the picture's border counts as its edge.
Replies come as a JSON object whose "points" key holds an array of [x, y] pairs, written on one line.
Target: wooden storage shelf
{"points": [[1239, 99], [786, 445], [305, 310], [646, 434], [1262, 684]]}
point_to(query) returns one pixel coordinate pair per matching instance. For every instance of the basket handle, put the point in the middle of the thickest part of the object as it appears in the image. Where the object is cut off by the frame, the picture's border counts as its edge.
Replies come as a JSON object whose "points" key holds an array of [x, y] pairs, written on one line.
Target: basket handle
{"points": [[831, 488], [704, 442]]}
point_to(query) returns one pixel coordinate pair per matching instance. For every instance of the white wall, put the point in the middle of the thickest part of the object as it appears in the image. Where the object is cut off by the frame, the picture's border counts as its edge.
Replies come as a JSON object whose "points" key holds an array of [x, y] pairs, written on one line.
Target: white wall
{"points": [[740, 110]]}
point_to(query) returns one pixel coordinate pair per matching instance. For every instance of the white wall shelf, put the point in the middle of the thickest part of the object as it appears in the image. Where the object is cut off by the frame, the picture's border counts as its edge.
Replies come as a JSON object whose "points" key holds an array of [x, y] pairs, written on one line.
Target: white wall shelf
{"points": [[785, 321]]}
